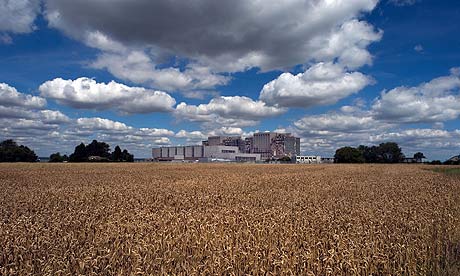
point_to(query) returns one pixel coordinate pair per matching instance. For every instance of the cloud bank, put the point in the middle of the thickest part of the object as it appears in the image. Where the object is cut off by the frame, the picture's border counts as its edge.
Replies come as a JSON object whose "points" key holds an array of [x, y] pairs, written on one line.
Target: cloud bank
{"points": [[85, 93]]}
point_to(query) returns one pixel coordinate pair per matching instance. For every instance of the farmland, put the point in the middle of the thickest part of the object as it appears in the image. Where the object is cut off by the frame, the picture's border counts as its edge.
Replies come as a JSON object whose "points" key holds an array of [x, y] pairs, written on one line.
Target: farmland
{"points": [[153, 219]]}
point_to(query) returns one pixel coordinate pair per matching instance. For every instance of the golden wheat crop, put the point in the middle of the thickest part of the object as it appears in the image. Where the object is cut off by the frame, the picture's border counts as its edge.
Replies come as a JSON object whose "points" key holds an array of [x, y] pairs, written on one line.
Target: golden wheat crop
{"points": [[157, 219]]}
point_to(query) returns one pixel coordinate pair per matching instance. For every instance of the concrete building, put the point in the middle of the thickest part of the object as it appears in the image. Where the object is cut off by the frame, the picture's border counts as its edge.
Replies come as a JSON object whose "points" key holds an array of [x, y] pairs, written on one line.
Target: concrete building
{"points": [[262, 146], [171, 152], [189, 152], [164, 152], [248, 144], [231, 141], [284, 144], [156, 152], [203, 153], [175, 153], [216, 140], [291, 145], [235, 141], [229, 153], [198, 151], [275, 145]]}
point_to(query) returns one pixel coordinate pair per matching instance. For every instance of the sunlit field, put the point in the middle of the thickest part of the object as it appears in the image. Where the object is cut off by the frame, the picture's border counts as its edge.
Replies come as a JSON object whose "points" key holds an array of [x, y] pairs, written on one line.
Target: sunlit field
{"points": [[197, 219]]}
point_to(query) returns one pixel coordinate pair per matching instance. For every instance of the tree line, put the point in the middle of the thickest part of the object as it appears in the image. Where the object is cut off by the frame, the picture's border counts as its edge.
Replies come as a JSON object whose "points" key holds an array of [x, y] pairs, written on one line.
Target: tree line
{"points": [[384, 153], [99, 152], [389, 152], [10, 151], [96, 151]]}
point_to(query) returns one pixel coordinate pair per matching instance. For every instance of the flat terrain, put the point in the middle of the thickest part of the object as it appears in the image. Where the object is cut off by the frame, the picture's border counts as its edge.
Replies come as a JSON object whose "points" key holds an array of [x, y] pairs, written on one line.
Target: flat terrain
{"points": [[153, 219]]}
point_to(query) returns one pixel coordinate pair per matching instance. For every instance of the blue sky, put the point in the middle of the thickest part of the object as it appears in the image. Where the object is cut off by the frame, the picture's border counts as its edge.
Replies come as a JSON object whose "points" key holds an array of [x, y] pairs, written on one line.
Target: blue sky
{"points": [[150, 73]]}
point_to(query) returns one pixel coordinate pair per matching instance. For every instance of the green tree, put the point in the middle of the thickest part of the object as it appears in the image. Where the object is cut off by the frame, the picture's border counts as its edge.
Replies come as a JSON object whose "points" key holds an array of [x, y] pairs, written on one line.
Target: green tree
{"points": [[102, 150], [390, 152], [82, 152], [116, 154], [56, 158], [370, 154], [11, 152], [98, 149], [349, 155], [384, 153], [419, 156], [126, 156], [79, 154]]}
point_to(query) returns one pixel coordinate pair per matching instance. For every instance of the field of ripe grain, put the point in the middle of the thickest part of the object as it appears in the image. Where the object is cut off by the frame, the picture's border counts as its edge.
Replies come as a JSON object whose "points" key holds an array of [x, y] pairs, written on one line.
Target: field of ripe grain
{"points": [[154, 219]]}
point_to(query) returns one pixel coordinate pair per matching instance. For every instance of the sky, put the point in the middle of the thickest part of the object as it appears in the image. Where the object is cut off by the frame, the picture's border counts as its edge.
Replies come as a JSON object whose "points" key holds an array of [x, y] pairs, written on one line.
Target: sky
{"points": [[143, 74]]}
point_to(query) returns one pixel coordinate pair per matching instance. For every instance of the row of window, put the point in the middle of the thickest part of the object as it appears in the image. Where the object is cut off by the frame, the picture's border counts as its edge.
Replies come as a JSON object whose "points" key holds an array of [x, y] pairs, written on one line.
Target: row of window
{"points": [[307, 157]]}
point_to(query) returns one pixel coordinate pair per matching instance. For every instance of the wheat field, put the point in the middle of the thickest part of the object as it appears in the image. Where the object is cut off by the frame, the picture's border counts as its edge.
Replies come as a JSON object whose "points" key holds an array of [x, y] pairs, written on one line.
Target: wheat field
{"points": [[228, 219]]}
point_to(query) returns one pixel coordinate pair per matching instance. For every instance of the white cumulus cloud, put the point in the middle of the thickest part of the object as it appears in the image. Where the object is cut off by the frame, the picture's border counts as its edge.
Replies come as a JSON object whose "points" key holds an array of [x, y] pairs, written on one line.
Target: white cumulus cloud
{"points": [[435, 101], [101, 124], [336, 122], [9, 96], [232, 111], [86, 93], [230, 131], [321, 84]]}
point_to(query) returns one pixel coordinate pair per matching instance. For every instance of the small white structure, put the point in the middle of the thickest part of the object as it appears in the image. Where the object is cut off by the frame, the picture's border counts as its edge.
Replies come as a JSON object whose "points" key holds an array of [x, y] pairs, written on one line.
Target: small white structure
{"points": [[301, 159]]}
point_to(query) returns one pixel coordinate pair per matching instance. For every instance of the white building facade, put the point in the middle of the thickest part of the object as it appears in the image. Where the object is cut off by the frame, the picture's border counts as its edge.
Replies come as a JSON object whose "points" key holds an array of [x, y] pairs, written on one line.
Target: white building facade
{"points": [[301, 159]]}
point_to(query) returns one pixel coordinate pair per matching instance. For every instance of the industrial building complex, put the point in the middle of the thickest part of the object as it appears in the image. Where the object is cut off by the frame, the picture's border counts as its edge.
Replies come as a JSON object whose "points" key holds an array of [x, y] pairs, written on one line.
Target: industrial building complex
{"points": [[260, 146]]}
